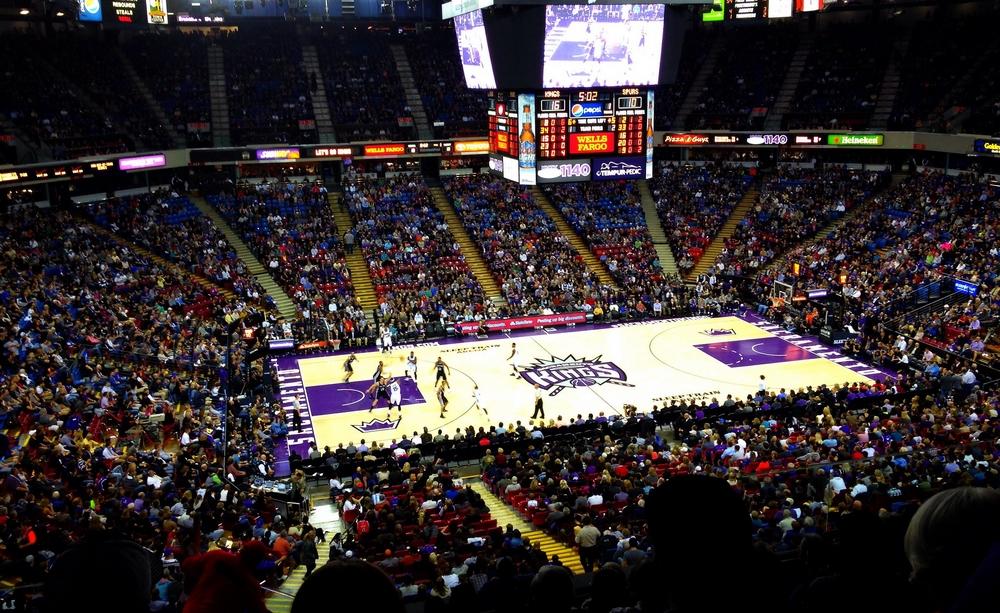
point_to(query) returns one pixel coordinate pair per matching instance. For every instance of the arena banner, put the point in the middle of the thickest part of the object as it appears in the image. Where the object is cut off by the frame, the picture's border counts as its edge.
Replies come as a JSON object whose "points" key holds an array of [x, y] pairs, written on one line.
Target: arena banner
{"points": [[523, 323], [607, 169]]}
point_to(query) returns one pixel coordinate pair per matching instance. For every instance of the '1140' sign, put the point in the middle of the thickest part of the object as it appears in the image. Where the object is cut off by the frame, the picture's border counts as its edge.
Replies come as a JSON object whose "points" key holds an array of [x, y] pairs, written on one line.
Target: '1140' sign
{"points": [[563, 171]]}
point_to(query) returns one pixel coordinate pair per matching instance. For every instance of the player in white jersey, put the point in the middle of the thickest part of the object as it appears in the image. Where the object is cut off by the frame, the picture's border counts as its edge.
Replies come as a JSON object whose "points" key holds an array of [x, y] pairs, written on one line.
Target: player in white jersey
{"points": [[411, 366], [514, 359], [478, 399], [386, 340], [395, 396]]}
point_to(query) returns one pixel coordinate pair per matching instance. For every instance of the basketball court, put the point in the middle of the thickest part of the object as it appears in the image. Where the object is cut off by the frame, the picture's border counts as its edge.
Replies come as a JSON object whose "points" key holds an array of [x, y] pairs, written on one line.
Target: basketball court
{"points": [[579, 371]]}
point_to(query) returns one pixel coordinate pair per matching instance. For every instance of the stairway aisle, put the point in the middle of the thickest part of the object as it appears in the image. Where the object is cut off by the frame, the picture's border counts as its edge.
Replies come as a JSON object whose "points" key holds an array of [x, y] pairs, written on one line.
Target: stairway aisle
{"points": [[719, 242], [321, 108], [656, 230], [218, 96], [361, 277], [470, 251], [837, 223], [412, 93], [176, 139], [202, 281], [793, 74], [505, 514], [698, 84], [563, 227], [286, 306], [324, 515], [891, 81]]}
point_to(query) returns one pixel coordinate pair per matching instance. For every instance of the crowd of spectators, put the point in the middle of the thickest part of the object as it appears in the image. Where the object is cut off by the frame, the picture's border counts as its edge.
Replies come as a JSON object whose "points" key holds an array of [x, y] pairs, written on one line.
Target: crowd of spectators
{"points": [[269, 92], [548, 276], [97, 69], [289, 226], [794, 204], [34, 98], [748, 75], [928, 74], [174, 67], [815, 472], [840, 82], [609, 217], [363, 88], [929, 228], [669, 98], [536, 267], [693, 202], [171, 226], [978, 92], [114, 413], [437, 69], [421, 277]]}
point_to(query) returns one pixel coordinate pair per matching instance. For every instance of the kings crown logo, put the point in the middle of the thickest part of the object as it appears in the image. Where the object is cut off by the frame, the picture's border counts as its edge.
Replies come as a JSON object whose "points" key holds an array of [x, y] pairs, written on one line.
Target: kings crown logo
{"points": [[377, 425], [556, 374], [718, 331]]}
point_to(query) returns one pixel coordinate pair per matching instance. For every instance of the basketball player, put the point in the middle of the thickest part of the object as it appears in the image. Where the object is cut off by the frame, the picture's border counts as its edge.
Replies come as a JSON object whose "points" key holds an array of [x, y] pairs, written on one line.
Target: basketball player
{"points": [[442, 399], [514, 359], [349, 367], [440, 367], [411, 366], [478, 399], [395, 396], [381, 391], [539, 409], [378, 372], [386, 340]]}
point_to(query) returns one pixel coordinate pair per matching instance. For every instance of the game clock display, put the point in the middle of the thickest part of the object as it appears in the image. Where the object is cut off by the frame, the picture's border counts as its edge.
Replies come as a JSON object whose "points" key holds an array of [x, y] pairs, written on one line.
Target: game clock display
{"points": [[584, 123]]}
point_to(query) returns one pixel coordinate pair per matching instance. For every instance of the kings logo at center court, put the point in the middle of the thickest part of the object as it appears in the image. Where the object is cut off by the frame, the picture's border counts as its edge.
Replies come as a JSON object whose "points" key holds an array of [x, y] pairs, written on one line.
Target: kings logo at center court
{"points": [[556, 374]]}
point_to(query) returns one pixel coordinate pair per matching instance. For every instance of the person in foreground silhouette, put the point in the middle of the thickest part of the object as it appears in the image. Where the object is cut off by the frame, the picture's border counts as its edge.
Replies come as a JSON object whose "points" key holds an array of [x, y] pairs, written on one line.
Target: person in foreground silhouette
{"points": [[703, 538], [353, 585], [953, 546]]}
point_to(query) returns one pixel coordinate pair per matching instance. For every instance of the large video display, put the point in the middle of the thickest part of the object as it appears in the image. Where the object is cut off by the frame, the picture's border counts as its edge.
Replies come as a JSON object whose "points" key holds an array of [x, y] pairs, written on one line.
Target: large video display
{"points": [[474, 51], [608, 45]]}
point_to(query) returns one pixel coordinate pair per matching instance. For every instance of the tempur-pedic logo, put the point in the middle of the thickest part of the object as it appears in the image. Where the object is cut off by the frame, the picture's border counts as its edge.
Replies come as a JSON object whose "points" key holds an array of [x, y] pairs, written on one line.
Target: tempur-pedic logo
{"points": [[619, 169], [556, 374]]}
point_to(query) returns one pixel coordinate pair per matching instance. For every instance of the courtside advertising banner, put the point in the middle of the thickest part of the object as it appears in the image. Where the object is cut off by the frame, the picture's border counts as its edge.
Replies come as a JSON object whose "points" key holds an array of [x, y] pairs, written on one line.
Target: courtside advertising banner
{"points": [[523, 323]]}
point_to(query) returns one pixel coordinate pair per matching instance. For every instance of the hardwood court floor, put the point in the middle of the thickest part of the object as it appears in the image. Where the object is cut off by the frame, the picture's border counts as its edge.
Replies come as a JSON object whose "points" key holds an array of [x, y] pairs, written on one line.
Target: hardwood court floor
{"points": [[587, 370]]}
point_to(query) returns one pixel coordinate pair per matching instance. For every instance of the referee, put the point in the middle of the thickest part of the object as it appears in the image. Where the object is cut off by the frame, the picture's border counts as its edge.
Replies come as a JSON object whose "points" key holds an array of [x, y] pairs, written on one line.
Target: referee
{"points": [[539, 409]]}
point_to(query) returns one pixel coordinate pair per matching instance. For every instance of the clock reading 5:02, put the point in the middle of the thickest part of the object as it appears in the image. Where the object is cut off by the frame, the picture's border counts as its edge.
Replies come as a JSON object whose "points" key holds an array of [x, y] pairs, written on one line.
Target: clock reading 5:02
{"points": [[587, 96]]}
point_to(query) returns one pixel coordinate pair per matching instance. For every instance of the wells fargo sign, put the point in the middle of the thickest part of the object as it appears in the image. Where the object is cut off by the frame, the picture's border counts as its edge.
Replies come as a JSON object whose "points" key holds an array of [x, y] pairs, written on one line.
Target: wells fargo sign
{"points": [[591, 142]]}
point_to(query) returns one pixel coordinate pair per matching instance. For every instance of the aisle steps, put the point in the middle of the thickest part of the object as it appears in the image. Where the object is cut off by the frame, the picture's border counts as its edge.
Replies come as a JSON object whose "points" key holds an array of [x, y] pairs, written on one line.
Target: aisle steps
{"points": [[470, 251], [324, 515], [505, 514], [284, 303], [719, 242], [361, 277], [218, 96], [563, 227], [200, 280], [656, 230]]}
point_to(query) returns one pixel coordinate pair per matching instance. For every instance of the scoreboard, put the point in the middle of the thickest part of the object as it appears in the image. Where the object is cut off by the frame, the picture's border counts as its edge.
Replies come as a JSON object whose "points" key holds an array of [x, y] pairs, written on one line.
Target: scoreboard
{"points": [[502, 115], [588, 122], [572, 134]]}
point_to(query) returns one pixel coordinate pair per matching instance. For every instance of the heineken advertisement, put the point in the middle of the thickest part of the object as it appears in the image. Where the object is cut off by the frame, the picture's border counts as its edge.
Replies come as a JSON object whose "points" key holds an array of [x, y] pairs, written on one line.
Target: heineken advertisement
{"points": [[855, 140]]}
